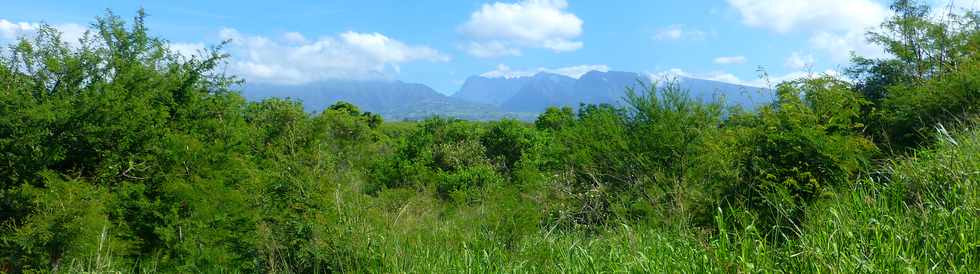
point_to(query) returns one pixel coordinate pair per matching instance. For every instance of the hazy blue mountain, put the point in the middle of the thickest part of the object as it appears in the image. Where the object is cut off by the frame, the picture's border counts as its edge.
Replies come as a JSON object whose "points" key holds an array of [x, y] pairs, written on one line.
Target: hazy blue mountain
{"points": [[596, 87], [708, 91], [491, 91], [541, 91], [483, 98], [394, 100]]}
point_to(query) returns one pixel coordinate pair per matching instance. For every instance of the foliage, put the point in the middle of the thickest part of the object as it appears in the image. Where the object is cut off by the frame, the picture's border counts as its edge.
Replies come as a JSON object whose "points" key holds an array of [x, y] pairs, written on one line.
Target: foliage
{"points": [[119, 155], [802, 147], [555, 118], [374, 120], [931, 79]]}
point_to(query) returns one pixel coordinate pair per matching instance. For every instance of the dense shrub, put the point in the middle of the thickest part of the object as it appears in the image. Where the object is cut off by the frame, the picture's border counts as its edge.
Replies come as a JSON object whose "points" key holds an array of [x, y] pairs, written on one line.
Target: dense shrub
{"points": [[932, 77], [444, 153], [511, 143], [555, 118], [633, 163], [797, 150], [910, 112], [121, 153]]}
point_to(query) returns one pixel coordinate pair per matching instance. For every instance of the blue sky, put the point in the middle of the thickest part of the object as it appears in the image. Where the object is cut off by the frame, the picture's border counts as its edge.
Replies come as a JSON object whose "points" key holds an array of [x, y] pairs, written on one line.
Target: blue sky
{"points": [[441, 43]]}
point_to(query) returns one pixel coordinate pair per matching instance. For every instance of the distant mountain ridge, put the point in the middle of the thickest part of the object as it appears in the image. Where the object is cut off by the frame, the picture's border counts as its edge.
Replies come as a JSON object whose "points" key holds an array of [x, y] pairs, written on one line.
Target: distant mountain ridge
{"points": [[491, 91], [486, 98], [392, 99], [595, 87], [541, 90]]}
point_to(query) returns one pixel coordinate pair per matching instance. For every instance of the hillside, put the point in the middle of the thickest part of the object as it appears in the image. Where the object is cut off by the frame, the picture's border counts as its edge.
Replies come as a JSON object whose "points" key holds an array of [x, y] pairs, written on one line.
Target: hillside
{"points": [[395, 100], [490, 91], [542, 90]]}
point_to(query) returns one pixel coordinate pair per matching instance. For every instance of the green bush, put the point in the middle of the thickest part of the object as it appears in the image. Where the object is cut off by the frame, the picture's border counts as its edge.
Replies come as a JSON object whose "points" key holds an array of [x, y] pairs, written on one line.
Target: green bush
{"points": [[798, 150], [511, 142], [67, 224], [447, 154], [555, 118]]}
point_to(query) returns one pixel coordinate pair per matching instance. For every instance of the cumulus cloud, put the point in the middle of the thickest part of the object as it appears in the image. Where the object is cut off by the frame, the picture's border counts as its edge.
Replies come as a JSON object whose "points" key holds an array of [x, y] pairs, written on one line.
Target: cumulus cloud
{"points": [[799, 61], [788, 15], [730, 60], [294, 37], [839, 46], [187, 49], [501, 29], [837, 26], [503, 71], [71, 33], [678, 32], [349, 55], [10, 30]]}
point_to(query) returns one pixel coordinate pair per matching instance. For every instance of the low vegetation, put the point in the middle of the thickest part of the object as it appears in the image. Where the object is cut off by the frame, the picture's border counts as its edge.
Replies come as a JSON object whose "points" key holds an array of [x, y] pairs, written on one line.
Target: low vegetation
{"points": [[119, 155]]}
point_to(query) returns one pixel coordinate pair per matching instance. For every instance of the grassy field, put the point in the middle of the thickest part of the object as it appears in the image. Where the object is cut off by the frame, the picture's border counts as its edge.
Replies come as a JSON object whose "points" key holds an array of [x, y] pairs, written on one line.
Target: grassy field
{"points": [[119, 155]]}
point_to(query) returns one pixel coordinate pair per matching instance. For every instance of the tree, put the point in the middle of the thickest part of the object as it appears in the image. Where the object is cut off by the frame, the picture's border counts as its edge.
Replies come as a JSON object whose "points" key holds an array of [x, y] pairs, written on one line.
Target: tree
{"points": [[555, 118], [928, 80]]}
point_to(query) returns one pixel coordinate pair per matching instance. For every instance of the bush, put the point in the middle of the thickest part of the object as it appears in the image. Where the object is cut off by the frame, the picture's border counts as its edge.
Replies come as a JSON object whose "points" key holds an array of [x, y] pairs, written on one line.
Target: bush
{"points": [[67, 224], [510, 142], [447, 154], [555, 118], [910, 111], [801, 148]]}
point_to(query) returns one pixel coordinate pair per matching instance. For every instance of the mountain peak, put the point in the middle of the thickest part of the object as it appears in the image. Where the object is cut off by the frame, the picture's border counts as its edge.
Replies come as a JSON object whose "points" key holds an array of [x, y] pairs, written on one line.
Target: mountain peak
{"points": [[551, 76], [611, 73], [483, 97]]}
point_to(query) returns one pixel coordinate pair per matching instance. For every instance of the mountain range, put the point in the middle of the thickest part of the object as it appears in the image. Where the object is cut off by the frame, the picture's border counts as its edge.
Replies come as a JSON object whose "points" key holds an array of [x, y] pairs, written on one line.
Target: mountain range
{"points": [[488, 98]]}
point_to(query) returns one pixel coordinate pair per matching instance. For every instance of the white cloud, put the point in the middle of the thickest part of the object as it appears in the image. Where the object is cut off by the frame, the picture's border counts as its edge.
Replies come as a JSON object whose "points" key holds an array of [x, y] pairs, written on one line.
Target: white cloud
{"points": [[503, 71], [290, 59], [798, 61], [501, 29], [840, 45], [187, 49], [678, 32], [788, 15], [578, 71], [10, 30], [837, 27], [294, 37], [71, 33], [669, 33], [730, 60], [349, 55]]}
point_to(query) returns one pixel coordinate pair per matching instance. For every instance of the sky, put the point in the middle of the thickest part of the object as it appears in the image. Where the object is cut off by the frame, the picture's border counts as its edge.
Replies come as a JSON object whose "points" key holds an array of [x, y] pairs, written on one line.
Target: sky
{"points": [[441, 43]]}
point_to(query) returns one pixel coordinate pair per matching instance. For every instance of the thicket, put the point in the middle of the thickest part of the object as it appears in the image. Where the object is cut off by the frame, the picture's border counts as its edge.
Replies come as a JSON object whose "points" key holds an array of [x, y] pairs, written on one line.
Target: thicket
{"points": [[120, 155]]}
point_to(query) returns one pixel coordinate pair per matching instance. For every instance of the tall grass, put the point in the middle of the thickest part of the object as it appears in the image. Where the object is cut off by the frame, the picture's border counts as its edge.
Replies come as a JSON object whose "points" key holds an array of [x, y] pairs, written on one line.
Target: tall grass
{"points": [[920, 214]]}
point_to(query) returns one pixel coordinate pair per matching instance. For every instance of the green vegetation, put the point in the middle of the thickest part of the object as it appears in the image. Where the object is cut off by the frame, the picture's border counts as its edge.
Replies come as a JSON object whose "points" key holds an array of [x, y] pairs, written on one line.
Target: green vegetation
{"points": [[119, 155]]}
